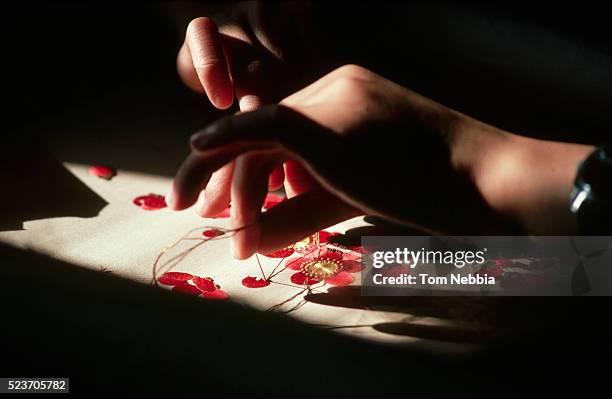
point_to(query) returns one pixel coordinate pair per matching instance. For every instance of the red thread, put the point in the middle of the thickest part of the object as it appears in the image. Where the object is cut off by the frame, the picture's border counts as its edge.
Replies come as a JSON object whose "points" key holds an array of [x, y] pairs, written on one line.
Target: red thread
{"points": [[255, 282], [150, 202], [102, 171]]}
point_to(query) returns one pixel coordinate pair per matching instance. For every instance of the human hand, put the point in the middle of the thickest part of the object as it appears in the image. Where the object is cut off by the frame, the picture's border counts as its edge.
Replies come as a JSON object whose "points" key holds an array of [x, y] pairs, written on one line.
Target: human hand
{"points": [[261, 51], [257, 49], [352, 143]]}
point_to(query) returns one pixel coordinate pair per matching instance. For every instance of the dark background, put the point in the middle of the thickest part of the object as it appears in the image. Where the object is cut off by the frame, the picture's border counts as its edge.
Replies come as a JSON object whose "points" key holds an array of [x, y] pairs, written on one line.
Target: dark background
{"points": [[537, 69]]}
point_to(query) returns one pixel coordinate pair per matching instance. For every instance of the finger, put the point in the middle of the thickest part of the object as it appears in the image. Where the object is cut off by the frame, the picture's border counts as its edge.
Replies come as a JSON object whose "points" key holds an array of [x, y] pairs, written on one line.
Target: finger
{"points": [[299, 217], [268, 125], [297, 179], [195, 173], [249, 87], [202, 39], [246, 69], [216, 196], [249, 189], [186, 70], [276, 179]]}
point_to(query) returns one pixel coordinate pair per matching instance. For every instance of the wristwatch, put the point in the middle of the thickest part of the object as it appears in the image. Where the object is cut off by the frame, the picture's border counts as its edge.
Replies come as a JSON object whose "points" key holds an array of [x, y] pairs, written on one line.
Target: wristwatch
{"points": [[591, 199]]}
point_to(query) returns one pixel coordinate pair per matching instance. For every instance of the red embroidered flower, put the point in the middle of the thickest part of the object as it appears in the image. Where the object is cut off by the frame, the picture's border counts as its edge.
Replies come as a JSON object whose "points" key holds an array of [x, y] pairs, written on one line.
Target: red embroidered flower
{"points": [[193, 285], [102, 171], [255, 282], [150, 202], [314, 241], [323, 264], [304, 246]]}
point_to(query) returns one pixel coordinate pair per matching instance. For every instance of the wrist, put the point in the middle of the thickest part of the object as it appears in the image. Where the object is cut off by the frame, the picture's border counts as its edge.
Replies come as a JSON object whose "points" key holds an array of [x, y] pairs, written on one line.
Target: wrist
{"points": [[526, 180]]}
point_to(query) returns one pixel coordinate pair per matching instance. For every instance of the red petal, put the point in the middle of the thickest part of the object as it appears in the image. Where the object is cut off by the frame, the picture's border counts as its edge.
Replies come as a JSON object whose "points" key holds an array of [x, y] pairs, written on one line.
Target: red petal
{"points": [[216, 295], [351, 266], [296, 263], [308, 249], [174, 278], [341, 278], [281, 253], [255, 282], [204, 284], [151, 202], [213, 233], [103, 172], [272, 200], [325, 235], [187, 289], [300, 278]]}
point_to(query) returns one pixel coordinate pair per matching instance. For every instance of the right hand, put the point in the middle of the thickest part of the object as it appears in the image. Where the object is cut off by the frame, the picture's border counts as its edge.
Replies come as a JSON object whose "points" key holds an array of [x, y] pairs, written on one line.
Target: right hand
{"points": [[253, 49], [259, 51]]}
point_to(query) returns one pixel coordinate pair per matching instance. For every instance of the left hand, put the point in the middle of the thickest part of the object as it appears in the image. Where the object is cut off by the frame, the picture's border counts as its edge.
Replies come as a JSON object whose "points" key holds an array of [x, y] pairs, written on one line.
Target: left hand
{"points": [[354, 143]]}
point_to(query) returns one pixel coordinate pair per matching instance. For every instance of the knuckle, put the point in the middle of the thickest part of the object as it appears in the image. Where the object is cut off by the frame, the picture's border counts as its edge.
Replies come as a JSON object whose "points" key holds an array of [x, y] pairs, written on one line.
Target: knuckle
{"points": [[354, 71], [351, 85]]}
